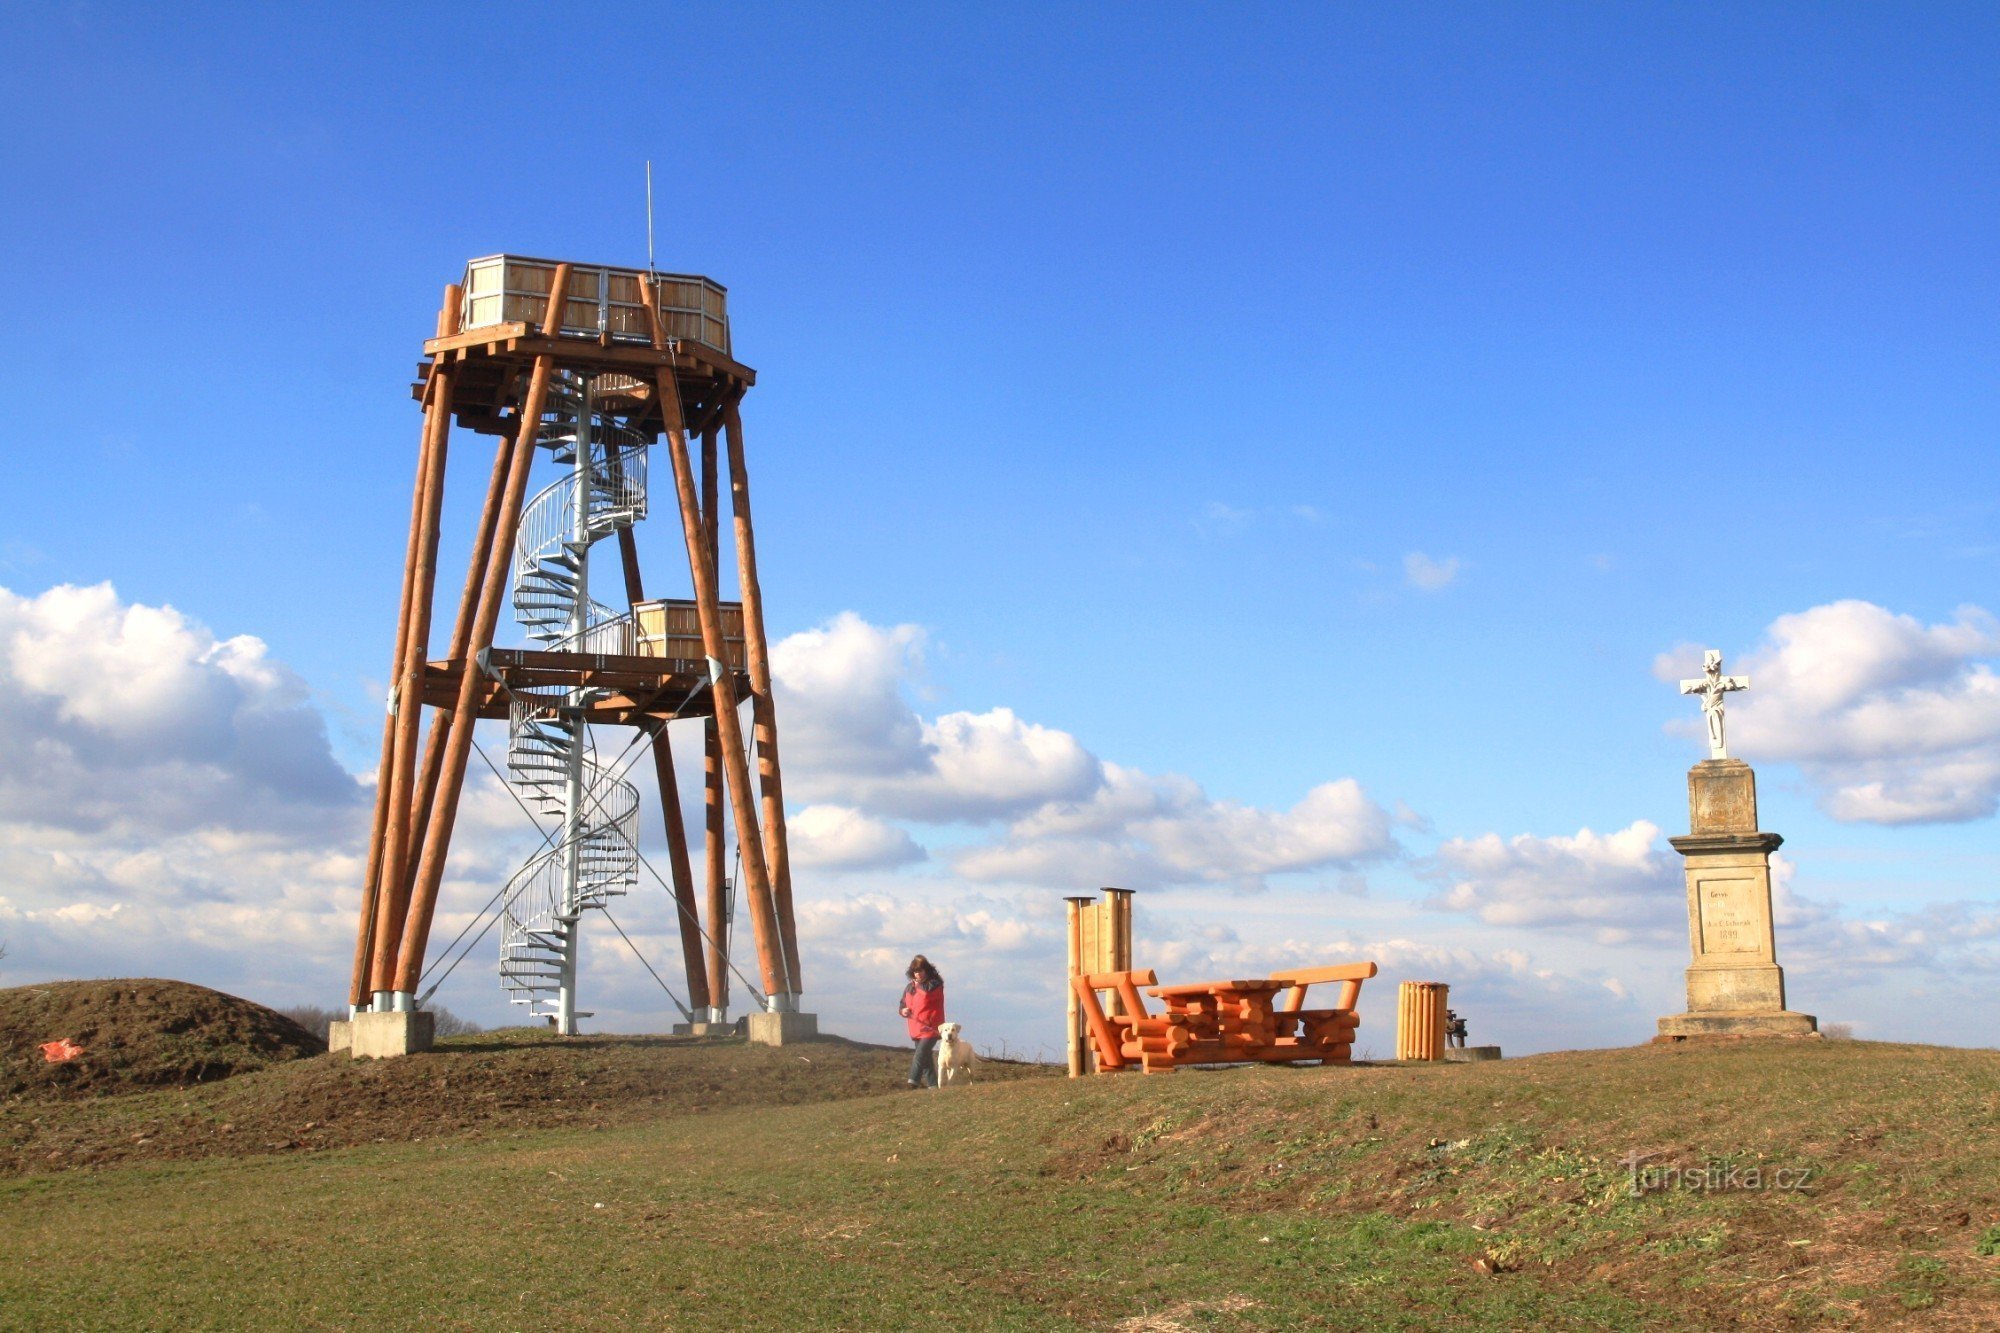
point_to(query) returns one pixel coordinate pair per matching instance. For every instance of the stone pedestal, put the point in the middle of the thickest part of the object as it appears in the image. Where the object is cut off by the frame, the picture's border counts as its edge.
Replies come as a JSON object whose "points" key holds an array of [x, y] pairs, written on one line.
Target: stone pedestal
{"points": [[782, 1028], [704, 1029], [1470, 1055], [1734, 985], [374, 1036], [339, 1036]]}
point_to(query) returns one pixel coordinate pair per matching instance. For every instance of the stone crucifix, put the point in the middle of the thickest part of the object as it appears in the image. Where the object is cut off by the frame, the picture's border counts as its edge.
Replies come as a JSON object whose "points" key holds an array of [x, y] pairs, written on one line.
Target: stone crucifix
{"points": [[1711, 687]]}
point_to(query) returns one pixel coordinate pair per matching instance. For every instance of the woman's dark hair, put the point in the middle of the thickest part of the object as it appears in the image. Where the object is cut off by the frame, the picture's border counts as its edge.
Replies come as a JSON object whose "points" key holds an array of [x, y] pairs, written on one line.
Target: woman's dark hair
{"points": [[920, 966]]}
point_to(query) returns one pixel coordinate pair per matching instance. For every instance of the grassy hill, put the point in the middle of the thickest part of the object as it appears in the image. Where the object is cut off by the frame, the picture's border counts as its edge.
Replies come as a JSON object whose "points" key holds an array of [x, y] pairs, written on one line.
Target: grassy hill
{"points": [[714, 1185]]}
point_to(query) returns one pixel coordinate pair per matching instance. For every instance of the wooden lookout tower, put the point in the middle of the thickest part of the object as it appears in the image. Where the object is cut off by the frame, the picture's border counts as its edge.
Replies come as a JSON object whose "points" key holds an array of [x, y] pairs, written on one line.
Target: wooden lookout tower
{"points": [[592, 369]]}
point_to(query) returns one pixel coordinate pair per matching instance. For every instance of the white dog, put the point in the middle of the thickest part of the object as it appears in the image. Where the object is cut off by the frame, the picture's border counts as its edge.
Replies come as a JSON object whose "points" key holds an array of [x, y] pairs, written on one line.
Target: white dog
{"points": [[954, 1055]]}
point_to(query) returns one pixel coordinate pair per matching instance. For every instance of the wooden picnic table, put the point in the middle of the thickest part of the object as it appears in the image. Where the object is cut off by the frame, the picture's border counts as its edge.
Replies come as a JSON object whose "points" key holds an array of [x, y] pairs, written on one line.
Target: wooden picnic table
{"points": [[1221, 1022]]}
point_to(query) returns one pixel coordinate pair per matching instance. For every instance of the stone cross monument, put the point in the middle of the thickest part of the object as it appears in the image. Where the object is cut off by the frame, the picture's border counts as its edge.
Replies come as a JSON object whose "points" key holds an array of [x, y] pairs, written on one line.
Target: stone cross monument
{"points": [[1734, 985], [1711, 687]]}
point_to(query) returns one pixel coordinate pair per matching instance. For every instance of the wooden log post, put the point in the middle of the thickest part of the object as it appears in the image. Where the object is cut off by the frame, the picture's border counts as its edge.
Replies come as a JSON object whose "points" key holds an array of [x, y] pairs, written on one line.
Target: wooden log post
{"points": [[1074, 1037], [670, 811], [714, 837], [393, 898], [714, 872], [372, 878], [729, 727], [763, 706], [458, 741], [461, 639]]}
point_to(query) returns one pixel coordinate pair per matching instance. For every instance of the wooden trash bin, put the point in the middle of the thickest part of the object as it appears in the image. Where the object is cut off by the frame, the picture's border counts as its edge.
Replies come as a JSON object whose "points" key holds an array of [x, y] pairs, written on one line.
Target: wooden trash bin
{"points": [[1420, 1009]]}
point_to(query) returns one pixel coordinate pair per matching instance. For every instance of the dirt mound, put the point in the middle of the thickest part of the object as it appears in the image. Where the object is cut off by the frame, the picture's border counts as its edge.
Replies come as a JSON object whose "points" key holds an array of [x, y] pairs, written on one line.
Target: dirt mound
{"points": [[495, 1083], [137, 1035]]}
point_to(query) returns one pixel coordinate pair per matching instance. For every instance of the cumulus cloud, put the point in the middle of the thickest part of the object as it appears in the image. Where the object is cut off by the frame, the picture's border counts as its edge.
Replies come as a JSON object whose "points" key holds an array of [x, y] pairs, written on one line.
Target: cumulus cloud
{"points": [[1891, 720], [1426, 574], [1615, 886], [169, 803], [1069, 817], [833, 837], [133, 719], [852, 738], [1165, 831]]}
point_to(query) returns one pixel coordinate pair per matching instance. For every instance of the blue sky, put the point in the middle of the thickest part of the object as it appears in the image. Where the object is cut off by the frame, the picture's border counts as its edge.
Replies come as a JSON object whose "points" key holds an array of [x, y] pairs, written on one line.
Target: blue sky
{"points": [[1134, 355]]}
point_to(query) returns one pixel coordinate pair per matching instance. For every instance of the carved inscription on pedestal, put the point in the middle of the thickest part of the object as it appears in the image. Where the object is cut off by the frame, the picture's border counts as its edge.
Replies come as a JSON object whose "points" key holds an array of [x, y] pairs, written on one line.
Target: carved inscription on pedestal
{"points": [[1730, 921]]}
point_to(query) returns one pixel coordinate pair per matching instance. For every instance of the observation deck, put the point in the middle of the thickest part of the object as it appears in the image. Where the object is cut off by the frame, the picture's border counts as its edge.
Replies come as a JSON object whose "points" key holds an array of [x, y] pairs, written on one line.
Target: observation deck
{"points": [[603, 329]]}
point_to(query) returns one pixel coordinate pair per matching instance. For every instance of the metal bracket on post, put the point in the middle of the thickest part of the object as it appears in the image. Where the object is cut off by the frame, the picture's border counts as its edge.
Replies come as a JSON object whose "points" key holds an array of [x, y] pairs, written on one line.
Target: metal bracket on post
{"points": [[780, 1002]]}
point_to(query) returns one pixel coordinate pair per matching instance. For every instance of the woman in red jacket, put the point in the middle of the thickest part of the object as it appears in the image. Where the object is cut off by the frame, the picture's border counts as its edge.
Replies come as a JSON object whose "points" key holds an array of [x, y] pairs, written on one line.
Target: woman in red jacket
{"points": [[923, 1006]]}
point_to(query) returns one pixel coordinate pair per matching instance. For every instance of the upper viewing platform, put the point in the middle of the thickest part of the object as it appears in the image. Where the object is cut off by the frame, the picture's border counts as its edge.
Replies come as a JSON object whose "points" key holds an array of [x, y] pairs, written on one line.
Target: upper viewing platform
{"points": [[492, 334], [600, 301]]}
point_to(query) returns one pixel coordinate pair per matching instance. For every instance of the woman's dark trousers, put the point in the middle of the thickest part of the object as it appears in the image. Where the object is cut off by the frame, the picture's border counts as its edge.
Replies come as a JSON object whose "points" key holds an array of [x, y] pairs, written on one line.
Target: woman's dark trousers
{"points": [[923, 1065]]}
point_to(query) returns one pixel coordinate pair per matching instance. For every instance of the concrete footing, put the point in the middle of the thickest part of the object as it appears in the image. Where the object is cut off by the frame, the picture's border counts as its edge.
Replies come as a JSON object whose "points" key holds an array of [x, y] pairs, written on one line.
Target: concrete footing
{"points": [[1751, 1023], [704, 1029], [374, 1036], [1471, 1055], [782, 1028], [339, 1036]]}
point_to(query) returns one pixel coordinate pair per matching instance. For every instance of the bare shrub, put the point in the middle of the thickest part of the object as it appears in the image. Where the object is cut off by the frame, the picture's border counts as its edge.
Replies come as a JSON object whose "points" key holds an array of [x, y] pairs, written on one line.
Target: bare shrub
{"points": [[315, 1020], [448, 1024], [1837, 1031]]}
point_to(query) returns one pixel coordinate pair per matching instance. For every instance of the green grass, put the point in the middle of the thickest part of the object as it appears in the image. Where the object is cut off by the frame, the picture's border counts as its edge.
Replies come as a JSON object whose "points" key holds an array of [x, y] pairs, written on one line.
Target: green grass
{"points": [[1484, 1196]]}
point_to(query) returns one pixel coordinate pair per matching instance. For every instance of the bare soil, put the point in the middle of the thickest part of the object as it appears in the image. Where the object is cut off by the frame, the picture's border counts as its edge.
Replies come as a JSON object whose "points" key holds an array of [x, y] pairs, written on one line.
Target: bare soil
{"points": [[137, 1035], [511, 1081]]}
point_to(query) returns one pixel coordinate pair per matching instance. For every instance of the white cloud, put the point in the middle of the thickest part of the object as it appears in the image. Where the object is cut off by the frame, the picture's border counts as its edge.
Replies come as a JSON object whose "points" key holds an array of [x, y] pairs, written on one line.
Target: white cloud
{"points": [[125, 719], [833, 837], [1160, 832], [852, 739], [169, 804], [1892, 721], [1071, 818], [1616, 886], [1428, 575]]}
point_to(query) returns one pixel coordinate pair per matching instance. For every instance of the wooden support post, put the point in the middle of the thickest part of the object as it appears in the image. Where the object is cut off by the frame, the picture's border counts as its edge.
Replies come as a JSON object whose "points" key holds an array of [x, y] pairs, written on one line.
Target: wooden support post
{"points": [[714, 846], [392, 898], [714, 871], [458, 744], [729, 728], [763, 708], [461, 637], [358, 992], [1073, 1034], [670, 810]]}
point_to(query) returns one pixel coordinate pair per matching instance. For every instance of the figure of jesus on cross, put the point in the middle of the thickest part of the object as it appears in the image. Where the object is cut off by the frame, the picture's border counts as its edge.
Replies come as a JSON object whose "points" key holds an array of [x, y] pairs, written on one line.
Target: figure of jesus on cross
{"points": [[1711, 687]]}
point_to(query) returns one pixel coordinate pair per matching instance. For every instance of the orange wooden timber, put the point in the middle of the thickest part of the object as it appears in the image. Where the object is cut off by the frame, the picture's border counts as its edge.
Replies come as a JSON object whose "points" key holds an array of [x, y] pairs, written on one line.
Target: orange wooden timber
{"points": [[736, 769], [461, 635], [714, 842], [1220, 1022], [763, 708], [458, 741], [408, 698], [670, 811], [372, 881]]}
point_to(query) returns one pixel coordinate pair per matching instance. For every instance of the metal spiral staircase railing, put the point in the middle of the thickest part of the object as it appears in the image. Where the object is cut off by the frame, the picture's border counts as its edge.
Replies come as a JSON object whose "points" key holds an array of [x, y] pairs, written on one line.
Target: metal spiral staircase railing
{"points": [[549, 752]]}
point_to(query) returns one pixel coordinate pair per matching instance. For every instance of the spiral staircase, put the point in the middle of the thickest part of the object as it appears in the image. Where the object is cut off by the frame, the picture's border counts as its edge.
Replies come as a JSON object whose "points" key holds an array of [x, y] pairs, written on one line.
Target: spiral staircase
{"points": [[550, 757]]}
